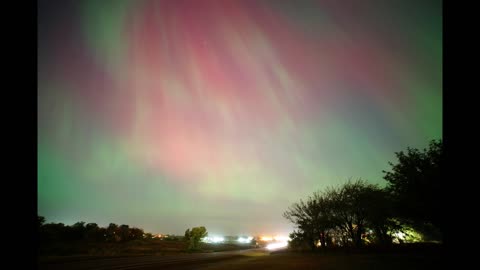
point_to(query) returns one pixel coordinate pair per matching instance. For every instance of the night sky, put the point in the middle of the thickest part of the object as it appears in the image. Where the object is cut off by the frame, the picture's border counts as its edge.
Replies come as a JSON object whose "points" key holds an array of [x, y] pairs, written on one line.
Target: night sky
{"points": [[170, 114]]}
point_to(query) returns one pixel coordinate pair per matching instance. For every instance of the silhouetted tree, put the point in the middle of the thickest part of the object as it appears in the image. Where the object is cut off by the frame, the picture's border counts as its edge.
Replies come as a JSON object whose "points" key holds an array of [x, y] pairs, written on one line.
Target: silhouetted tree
{"points": [[380, 217], [187, 235], [40, 221], [101, 234], [312, 218], [415, 183], [112, 233], [93, 233], [124, 232], [298, 240], [53, 232], [41, 231], [59, 233], [77, 231], [342, 213], [195, 235], [350, 208], [136, 233], [91, 226]]}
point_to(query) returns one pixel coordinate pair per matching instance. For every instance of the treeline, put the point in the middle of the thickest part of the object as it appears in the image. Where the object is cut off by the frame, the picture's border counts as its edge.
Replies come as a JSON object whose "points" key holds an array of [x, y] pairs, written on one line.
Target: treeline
{"points": [[90, 232], [358, 213]]}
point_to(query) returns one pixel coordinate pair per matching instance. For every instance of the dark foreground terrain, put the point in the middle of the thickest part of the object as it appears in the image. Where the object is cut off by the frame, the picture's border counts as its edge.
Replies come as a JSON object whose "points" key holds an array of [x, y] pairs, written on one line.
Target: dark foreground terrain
{"points": [[256, 259]]}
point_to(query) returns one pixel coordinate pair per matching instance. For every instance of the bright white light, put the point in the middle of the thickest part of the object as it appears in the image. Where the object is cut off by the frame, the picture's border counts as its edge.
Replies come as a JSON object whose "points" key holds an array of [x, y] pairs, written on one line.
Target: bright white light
{"points": [[215, 239], [400, 235], [278, 245], [281, 238], [244, 240], [266, 238]]}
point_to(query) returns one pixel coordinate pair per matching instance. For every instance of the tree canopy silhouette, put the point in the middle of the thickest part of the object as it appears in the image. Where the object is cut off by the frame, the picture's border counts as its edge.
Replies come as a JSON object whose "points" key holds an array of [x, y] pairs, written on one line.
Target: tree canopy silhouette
{"points": [[415, 183], [358, 212], [194, 236], [341, 215]]}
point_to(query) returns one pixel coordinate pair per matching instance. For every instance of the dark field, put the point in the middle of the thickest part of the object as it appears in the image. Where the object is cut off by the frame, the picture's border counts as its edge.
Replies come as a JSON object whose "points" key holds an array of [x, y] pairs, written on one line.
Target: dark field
{"points": [[334, 261], [131, 248], [403, 258]]}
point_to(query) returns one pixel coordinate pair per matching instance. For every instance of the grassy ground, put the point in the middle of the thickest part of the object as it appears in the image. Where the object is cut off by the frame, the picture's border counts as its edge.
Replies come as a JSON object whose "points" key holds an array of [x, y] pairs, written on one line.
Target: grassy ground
{"points": [[393, 258], [334, 261], [131, 248]]}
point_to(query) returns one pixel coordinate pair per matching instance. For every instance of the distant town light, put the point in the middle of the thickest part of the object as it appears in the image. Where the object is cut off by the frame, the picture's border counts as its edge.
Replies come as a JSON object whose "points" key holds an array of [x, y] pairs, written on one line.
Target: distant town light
{"points": [[281, 238], [245, 240], [215, 239], [274, 246]]}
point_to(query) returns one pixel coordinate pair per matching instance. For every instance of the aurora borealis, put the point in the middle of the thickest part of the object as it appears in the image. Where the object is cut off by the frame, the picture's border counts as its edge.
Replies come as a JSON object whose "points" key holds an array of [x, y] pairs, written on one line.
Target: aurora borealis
{"points": [[170, 114]]}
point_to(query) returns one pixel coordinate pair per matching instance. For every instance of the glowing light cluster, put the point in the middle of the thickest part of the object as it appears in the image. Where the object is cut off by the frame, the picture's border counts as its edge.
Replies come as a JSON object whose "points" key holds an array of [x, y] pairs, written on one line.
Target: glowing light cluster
{"points": [[278, 245], [274, 238], [399, 235], [281, 238], [245, 239], [214, 239], [266, 238]]}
